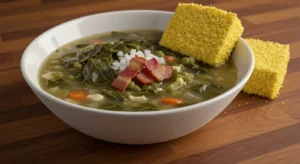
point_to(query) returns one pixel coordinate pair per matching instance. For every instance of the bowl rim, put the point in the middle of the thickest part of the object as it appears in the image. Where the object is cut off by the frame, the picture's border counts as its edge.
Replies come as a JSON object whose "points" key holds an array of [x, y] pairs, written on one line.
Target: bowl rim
{"points": [[38, 89]]}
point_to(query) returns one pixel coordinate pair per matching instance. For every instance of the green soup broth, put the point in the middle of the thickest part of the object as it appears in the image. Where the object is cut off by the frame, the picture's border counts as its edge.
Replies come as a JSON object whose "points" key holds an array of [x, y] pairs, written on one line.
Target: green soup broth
{"points": [[81, 72]]}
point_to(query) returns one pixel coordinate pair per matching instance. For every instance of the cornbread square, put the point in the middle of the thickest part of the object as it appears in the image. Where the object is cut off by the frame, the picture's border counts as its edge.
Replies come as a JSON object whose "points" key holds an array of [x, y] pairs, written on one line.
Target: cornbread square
{"points": [[270, 67], [206, 33]]}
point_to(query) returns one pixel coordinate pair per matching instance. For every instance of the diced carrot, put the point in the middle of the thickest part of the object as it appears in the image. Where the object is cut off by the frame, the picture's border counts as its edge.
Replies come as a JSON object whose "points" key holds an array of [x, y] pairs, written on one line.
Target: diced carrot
{"points": [[171, 59], [77, 95], [95, 41], [171, 101]]}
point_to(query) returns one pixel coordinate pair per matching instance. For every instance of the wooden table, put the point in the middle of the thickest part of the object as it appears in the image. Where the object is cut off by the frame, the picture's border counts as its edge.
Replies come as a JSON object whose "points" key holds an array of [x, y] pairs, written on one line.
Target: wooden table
{"points": [[251, 130]]}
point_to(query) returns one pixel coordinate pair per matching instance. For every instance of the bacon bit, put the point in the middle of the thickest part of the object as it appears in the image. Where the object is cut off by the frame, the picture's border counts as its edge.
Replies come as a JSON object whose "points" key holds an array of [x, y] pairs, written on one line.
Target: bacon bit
{"points": [[135, 66], [121, 82], [136, 63], [158, 71], [152, 64], [141, 60], [167, 71], [129, 73], [145, 77]]}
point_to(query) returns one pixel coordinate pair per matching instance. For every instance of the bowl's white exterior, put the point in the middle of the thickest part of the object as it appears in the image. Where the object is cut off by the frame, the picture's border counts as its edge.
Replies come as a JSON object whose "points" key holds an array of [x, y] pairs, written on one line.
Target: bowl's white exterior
{"points": [[126, 127]]}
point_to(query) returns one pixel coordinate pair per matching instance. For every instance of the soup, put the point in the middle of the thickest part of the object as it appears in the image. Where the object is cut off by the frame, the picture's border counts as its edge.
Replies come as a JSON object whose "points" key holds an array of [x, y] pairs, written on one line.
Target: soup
{"points": [[129, 71]]}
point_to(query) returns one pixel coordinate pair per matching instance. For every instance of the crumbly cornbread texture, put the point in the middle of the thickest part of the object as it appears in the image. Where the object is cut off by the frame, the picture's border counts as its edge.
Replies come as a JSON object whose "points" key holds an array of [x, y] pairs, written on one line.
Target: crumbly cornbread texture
{"points": [[206, 33], [270, 67]]}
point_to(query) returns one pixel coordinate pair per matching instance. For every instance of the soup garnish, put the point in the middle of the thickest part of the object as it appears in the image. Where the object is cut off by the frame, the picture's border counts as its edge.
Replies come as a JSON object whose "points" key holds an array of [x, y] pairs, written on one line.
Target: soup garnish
{"points": [[129, 71]]}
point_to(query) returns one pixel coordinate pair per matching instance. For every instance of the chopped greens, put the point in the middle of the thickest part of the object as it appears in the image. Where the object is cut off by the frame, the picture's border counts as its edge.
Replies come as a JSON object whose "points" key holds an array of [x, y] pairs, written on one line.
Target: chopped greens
{"points": [[113, 94]]}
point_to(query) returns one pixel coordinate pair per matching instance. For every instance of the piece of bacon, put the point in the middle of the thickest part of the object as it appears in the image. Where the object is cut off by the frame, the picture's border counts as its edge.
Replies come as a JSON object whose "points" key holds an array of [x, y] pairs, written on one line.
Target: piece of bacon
{"points": [[121, 82], [167, 71], [159, 71], [151, 64], [145, 77], [137, 62], [135, 66], [129, 73]]}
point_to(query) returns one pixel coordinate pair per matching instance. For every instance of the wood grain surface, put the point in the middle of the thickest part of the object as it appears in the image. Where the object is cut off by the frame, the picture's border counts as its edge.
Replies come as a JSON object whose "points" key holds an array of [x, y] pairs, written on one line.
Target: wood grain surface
{"points": [[250, 130]]}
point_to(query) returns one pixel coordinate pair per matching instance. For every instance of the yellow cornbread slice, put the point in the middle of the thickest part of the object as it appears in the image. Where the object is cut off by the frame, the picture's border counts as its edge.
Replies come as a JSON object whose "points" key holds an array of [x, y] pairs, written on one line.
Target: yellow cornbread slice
{"points": [[206, 33], [270, 67]]}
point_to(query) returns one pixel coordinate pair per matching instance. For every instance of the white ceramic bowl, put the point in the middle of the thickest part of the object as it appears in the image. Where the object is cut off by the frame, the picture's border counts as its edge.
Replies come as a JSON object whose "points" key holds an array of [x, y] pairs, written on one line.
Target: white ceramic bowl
{"points": [[126, 127]]}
